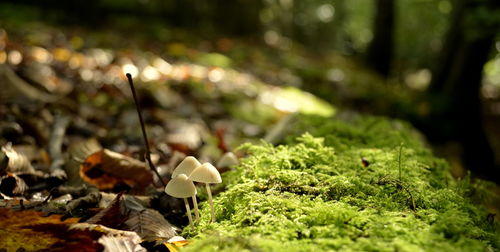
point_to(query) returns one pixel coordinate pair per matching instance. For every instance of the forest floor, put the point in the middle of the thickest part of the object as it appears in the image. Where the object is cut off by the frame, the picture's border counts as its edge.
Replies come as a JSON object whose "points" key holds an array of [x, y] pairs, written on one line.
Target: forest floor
{"points": [[72, 148]]}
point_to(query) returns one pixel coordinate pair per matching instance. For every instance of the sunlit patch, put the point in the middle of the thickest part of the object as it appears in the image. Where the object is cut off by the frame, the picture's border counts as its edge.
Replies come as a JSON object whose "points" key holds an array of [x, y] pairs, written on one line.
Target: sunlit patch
{"points": [[291, 99], [181, 72], [131, 69], [280, 103], [61, 54], [112, 75], [216, 74], [335, 75], [162, 66], [89, 62], [150, 74], [198, 72], [101, 57], [418, 80], [98, 78], [3, 57], [15, 57], [41, 54], [325, 13], [76, 61], [86, 74], [271, 38], [284, 104]]}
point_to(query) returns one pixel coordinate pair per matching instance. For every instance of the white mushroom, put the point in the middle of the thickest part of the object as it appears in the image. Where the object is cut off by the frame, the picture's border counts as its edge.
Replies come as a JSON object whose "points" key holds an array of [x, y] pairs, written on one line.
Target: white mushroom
{"points": [[182, 187], [227, 160], [207, 174], [186, 167]]}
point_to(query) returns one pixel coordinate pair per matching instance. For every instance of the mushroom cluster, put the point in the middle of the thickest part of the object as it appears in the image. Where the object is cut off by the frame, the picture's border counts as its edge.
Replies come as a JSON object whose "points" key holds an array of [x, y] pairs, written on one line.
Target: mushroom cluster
{"points": [[181, 185]]}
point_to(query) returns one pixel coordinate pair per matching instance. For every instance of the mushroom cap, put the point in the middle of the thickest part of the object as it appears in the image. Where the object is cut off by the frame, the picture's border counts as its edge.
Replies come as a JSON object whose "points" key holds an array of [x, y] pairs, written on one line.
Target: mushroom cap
{"points": [[180, 187], [206, 173], [227, 160], [186, 166]]}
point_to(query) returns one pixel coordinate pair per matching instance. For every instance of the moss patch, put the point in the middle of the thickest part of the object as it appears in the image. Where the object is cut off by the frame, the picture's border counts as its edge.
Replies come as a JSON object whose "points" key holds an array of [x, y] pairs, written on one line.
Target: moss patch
{"points": [[365, 184]]}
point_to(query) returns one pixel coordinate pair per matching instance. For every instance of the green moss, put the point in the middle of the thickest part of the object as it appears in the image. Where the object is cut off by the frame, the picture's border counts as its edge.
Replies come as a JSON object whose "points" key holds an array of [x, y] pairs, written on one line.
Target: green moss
{"points": [[362, 184]]}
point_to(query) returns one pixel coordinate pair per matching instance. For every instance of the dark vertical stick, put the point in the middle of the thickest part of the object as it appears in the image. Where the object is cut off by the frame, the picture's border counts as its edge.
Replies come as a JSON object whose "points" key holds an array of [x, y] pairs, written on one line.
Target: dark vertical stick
{"points": [[399, 160], [148, 152]]}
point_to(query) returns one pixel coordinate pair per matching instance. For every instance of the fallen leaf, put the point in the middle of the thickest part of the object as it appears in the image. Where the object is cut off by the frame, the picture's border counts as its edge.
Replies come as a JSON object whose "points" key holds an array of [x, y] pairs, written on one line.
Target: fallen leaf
{"points": [[17, 161], [112, 216], [12, 185], [150, 225], [31, 230], [176, 242], [106, 169], [113, 240], [126, 212], [78, 151]]}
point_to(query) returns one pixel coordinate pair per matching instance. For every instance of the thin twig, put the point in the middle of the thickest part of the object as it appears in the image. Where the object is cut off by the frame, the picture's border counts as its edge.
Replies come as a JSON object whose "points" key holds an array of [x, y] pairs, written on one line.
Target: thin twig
{"points": [[148, 152], [399, 185], [399, 160]]}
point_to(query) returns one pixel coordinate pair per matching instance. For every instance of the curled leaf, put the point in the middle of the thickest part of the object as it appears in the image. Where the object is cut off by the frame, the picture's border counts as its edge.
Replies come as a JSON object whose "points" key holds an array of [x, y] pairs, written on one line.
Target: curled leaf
{"points": [[78, 151], [113, 239], [12, 185], [17, 162], [150, 225]]}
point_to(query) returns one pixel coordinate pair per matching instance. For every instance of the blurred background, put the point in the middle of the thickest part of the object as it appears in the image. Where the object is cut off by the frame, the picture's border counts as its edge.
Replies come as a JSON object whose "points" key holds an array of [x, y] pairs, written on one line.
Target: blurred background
{"points": [[435, 63]]}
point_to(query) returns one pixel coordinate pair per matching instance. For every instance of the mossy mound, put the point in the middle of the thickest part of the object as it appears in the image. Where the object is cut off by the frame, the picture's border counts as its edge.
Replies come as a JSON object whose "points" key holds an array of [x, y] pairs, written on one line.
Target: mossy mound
{"points": [[364, 185]]}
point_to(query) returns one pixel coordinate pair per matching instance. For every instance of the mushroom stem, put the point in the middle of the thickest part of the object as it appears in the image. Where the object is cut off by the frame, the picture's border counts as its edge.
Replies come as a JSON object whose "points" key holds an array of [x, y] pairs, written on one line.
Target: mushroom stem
{"points": [[188, 212], [207, 185], [196, 211]]}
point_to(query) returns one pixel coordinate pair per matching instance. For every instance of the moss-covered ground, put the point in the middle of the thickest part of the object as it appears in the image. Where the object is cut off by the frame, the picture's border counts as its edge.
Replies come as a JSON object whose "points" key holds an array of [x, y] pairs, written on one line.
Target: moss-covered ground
{"points": [[354, 184]]}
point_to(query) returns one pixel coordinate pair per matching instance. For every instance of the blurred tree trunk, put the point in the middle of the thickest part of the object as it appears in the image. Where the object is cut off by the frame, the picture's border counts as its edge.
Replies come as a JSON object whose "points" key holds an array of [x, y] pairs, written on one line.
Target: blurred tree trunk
{"points": [[380, 50], [238, 17], [458, 81], [448, 52]]}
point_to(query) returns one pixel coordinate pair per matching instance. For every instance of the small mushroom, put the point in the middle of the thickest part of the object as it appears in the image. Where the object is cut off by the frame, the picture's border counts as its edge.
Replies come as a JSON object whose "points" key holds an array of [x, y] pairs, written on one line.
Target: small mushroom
{"points": [[207, 174], [182, 187], [227, 160], [186, 167]]}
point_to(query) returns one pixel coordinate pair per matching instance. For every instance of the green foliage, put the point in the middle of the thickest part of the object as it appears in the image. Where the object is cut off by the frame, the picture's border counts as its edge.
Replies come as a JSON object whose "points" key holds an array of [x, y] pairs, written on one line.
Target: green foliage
{"points": [[214, 59], [315, 194]]}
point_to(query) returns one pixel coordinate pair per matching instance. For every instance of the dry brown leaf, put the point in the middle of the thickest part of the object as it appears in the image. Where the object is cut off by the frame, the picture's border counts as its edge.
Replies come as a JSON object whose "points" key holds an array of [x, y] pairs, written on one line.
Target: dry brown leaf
{"points": [[113, 240], [78, 151], [18, 163], [150, 225], [32, 231], [112, 216], [12, 185], [107, 169], [120, 244], [126, 212]]}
